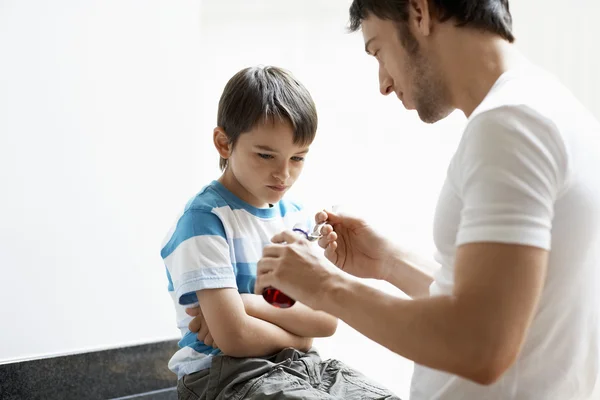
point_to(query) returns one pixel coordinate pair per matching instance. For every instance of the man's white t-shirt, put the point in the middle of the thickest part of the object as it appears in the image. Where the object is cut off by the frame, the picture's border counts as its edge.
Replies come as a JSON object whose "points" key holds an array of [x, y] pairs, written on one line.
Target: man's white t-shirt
{"points": [[527, 171]]}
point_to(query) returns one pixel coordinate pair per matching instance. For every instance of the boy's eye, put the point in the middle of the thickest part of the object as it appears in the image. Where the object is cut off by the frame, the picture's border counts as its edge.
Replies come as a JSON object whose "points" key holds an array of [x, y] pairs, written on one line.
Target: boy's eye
{"points": [[298, 159], [265, 156]]}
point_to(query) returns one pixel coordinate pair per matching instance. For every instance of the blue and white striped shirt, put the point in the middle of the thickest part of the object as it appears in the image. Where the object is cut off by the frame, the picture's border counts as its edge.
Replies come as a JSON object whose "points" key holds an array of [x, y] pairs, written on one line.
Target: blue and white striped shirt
{"points": [[215, 243]]}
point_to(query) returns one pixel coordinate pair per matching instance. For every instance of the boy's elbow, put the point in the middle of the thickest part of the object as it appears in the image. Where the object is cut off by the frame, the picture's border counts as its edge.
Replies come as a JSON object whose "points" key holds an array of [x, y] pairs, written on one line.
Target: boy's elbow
{"points": [[232, 351], [232, 344], [325, 327], [234, 348], [330, 326]]}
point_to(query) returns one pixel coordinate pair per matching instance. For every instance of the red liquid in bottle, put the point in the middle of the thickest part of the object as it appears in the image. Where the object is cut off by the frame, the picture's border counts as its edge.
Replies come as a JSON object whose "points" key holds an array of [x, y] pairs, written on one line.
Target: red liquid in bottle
{"points": [[276, 298]]}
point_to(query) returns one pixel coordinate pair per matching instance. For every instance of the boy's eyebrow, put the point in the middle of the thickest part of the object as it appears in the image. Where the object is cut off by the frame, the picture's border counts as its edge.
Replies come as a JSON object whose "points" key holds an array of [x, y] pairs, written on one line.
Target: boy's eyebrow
{"points": [[267, 148]]}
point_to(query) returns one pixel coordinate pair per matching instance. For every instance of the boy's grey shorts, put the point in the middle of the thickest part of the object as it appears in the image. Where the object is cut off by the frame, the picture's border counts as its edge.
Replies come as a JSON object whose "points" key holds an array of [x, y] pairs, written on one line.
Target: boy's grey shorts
{"points": [[290, 374]]}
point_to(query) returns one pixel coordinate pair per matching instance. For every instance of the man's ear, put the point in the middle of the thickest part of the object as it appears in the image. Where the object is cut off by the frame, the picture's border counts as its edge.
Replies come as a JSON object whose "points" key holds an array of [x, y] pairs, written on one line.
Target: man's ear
{"points": [[222, 143], [419, 17]]}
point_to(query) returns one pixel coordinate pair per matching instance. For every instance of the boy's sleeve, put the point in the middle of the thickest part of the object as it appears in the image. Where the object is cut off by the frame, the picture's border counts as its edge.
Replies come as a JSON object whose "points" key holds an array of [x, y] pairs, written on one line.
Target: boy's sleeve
{"points": [[513, 167], [197, 256]]}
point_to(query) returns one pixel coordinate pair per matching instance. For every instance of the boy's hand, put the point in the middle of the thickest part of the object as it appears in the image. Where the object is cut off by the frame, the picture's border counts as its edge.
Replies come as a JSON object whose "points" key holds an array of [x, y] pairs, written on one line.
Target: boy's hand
{"points": [[355, 247], [198, 324]]}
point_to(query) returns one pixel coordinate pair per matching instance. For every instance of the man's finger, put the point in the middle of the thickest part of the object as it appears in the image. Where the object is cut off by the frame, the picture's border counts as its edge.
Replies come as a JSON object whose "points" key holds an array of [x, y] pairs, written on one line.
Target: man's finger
{"points": [[330, 252], [333, 217], [262, 282], [272, 250], [324, 240], [266, 265], [326, 229], [321, 216], [286, 237]]}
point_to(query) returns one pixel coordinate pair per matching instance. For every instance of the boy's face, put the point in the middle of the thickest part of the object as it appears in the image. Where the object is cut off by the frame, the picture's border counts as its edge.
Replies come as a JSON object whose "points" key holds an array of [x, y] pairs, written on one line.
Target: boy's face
{"points": [[265, 163]]}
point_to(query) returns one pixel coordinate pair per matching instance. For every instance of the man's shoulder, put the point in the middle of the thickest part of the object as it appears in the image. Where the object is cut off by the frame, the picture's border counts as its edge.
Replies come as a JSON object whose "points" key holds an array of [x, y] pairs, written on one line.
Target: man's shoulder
{"points": [[530, 93]]}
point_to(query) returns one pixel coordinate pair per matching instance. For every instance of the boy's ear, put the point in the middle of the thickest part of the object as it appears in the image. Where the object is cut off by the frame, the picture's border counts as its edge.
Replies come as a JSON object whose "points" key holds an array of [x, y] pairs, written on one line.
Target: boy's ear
{"points": [[221, 142]]}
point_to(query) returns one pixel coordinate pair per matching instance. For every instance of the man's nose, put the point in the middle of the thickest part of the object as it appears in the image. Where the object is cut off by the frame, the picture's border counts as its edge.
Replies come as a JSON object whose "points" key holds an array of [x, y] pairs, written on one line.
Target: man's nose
{"points": [[386, 85]]}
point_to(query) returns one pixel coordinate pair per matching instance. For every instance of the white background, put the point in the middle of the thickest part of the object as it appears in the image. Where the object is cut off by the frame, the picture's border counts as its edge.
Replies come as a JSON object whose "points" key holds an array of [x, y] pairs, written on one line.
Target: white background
{"points": [[106, 114]]}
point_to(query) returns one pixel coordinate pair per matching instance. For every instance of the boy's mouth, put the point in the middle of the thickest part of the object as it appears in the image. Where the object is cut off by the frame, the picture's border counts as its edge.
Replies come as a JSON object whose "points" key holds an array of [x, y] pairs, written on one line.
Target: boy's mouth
{"points": [[278, 188]]}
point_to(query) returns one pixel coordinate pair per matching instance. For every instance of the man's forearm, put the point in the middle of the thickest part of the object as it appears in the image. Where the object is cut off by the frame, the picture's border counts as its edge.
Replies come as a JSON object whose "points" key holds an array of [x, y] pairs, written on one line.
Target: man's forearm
{"points": [[430, 331], [411, 274], [299, 319]]}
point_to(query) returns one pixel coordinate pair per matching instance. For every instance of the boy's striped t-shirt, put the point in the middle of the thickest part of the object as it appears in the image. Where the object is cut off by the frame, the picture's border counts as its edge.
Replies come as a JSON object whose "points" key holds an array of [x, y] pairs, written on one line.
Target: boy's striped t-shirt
{"points": [[216, 242]]}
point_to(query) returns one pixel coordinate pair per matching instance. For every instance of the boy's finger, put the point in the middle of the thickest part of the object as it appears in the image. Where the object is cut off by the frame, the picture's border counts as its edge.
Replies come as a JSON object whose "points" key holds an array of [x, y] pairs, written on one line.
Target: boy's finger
{"points": [[202, 332], [193, 311], [194, 325], [208, 340]]}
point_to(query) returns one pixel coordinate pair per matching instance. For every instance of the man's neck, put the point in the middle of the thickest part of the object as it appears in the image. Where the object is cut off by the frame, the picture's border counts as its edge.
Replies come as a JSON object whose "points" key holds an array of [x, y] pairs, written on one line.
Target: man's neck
{"points": [[473, 62]]}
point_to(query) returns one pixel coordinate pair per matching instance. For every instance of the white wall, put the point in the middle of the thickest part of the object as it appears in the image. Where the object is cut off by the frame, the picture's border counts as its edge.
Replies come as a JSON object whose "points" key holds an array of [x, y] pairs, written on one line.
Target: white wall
{"points": [[106, 113]]}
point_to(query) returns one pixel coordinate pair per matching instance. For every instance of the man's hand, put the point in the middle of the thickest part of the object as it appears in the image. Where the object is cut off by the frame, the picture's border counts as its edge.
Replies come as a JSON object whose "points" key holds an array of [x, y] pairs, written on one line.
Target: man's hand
{"points": [[292, 266], [355, 247], [198, 324]]}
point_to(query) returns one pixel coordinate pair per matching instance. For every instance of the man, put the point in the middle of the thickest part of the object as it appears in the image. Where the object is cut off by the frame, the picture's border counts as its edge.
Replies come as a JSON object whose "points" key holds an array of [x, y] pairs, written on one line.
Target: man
{"points": [[512, 312]]}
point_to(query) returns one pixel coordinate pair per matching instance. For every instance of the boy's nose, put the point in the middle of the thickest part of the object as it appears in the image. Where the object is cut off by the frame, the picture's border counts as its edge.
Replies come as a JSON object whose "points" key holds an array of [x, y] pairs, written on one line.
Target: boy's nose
{"points": [[282, 173]]}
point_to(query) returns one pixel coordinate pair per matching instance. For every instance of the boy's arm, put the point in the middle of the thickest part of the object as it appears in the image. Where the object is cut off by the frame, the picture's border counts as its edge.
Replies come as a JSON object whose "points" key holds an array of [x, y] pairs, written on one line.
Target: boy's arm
{"points": [[241, 335], [300, 319]]}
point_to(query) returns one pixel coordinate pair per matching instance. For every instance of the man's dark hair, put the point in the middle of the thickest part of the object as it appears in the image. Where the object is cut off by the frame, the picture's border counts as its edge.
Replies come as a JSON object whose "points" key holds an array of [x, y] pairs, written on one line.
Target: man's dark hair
{"points": [[487, 15], [266, 94]]}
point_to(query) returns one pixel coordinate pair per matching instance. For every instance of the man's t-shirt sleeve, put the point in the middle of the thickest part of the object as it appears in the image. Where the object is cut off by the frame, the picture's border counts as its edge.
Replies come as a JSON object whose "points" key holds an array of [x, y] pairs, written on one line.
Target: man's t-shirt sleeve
{"points": [[197, 256], [510, 169]]}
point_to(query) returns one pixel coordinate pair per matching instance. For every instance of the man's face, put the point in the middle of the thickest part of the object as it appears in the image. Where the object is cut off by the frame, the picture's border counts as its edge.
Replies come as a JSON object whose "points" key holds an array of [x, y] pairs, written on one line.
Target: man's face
{"points": [[405, 69], [266, 162]]}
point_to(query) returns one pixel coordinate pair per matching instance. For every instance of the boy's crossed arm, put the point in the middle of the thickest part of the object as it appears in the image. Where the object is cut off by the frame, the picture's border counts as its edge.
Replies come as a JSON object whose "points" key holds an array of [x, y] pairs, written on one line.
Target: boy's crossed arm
{"points": [[300, 319], [239, 333]]}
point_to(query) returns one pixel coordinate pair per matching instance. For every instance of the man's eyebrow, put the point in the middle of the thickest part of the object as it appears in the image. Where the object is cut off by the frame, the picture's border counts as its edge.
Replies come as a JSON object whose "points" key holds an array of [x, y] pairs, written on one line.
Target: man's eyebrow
{"points": [[368, 43]]}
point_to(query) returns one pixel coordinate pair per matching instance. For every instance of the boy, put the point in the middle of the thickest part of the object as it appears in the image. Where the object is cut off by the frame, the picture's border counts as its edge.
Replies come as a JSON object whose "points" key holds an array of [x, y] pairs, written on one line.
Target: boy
{"points": [[239, 346]]}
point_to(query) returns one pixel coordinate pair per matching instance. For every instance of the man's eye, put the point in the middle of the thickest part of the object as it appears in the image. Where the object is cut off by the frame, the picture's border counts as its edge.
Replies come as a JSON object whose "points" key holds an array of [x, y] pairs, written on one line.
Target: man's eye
{"points": [[298, 159]]}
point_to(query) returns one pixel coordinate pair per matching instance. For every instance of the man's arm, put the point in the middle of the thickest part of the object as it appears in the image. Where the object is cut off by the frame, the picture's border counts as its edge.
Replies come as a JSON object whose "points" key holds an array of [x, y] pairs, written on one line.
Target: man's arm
{"points": [[299, 319], [477, 332], [238, 334], [411, 274]]}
